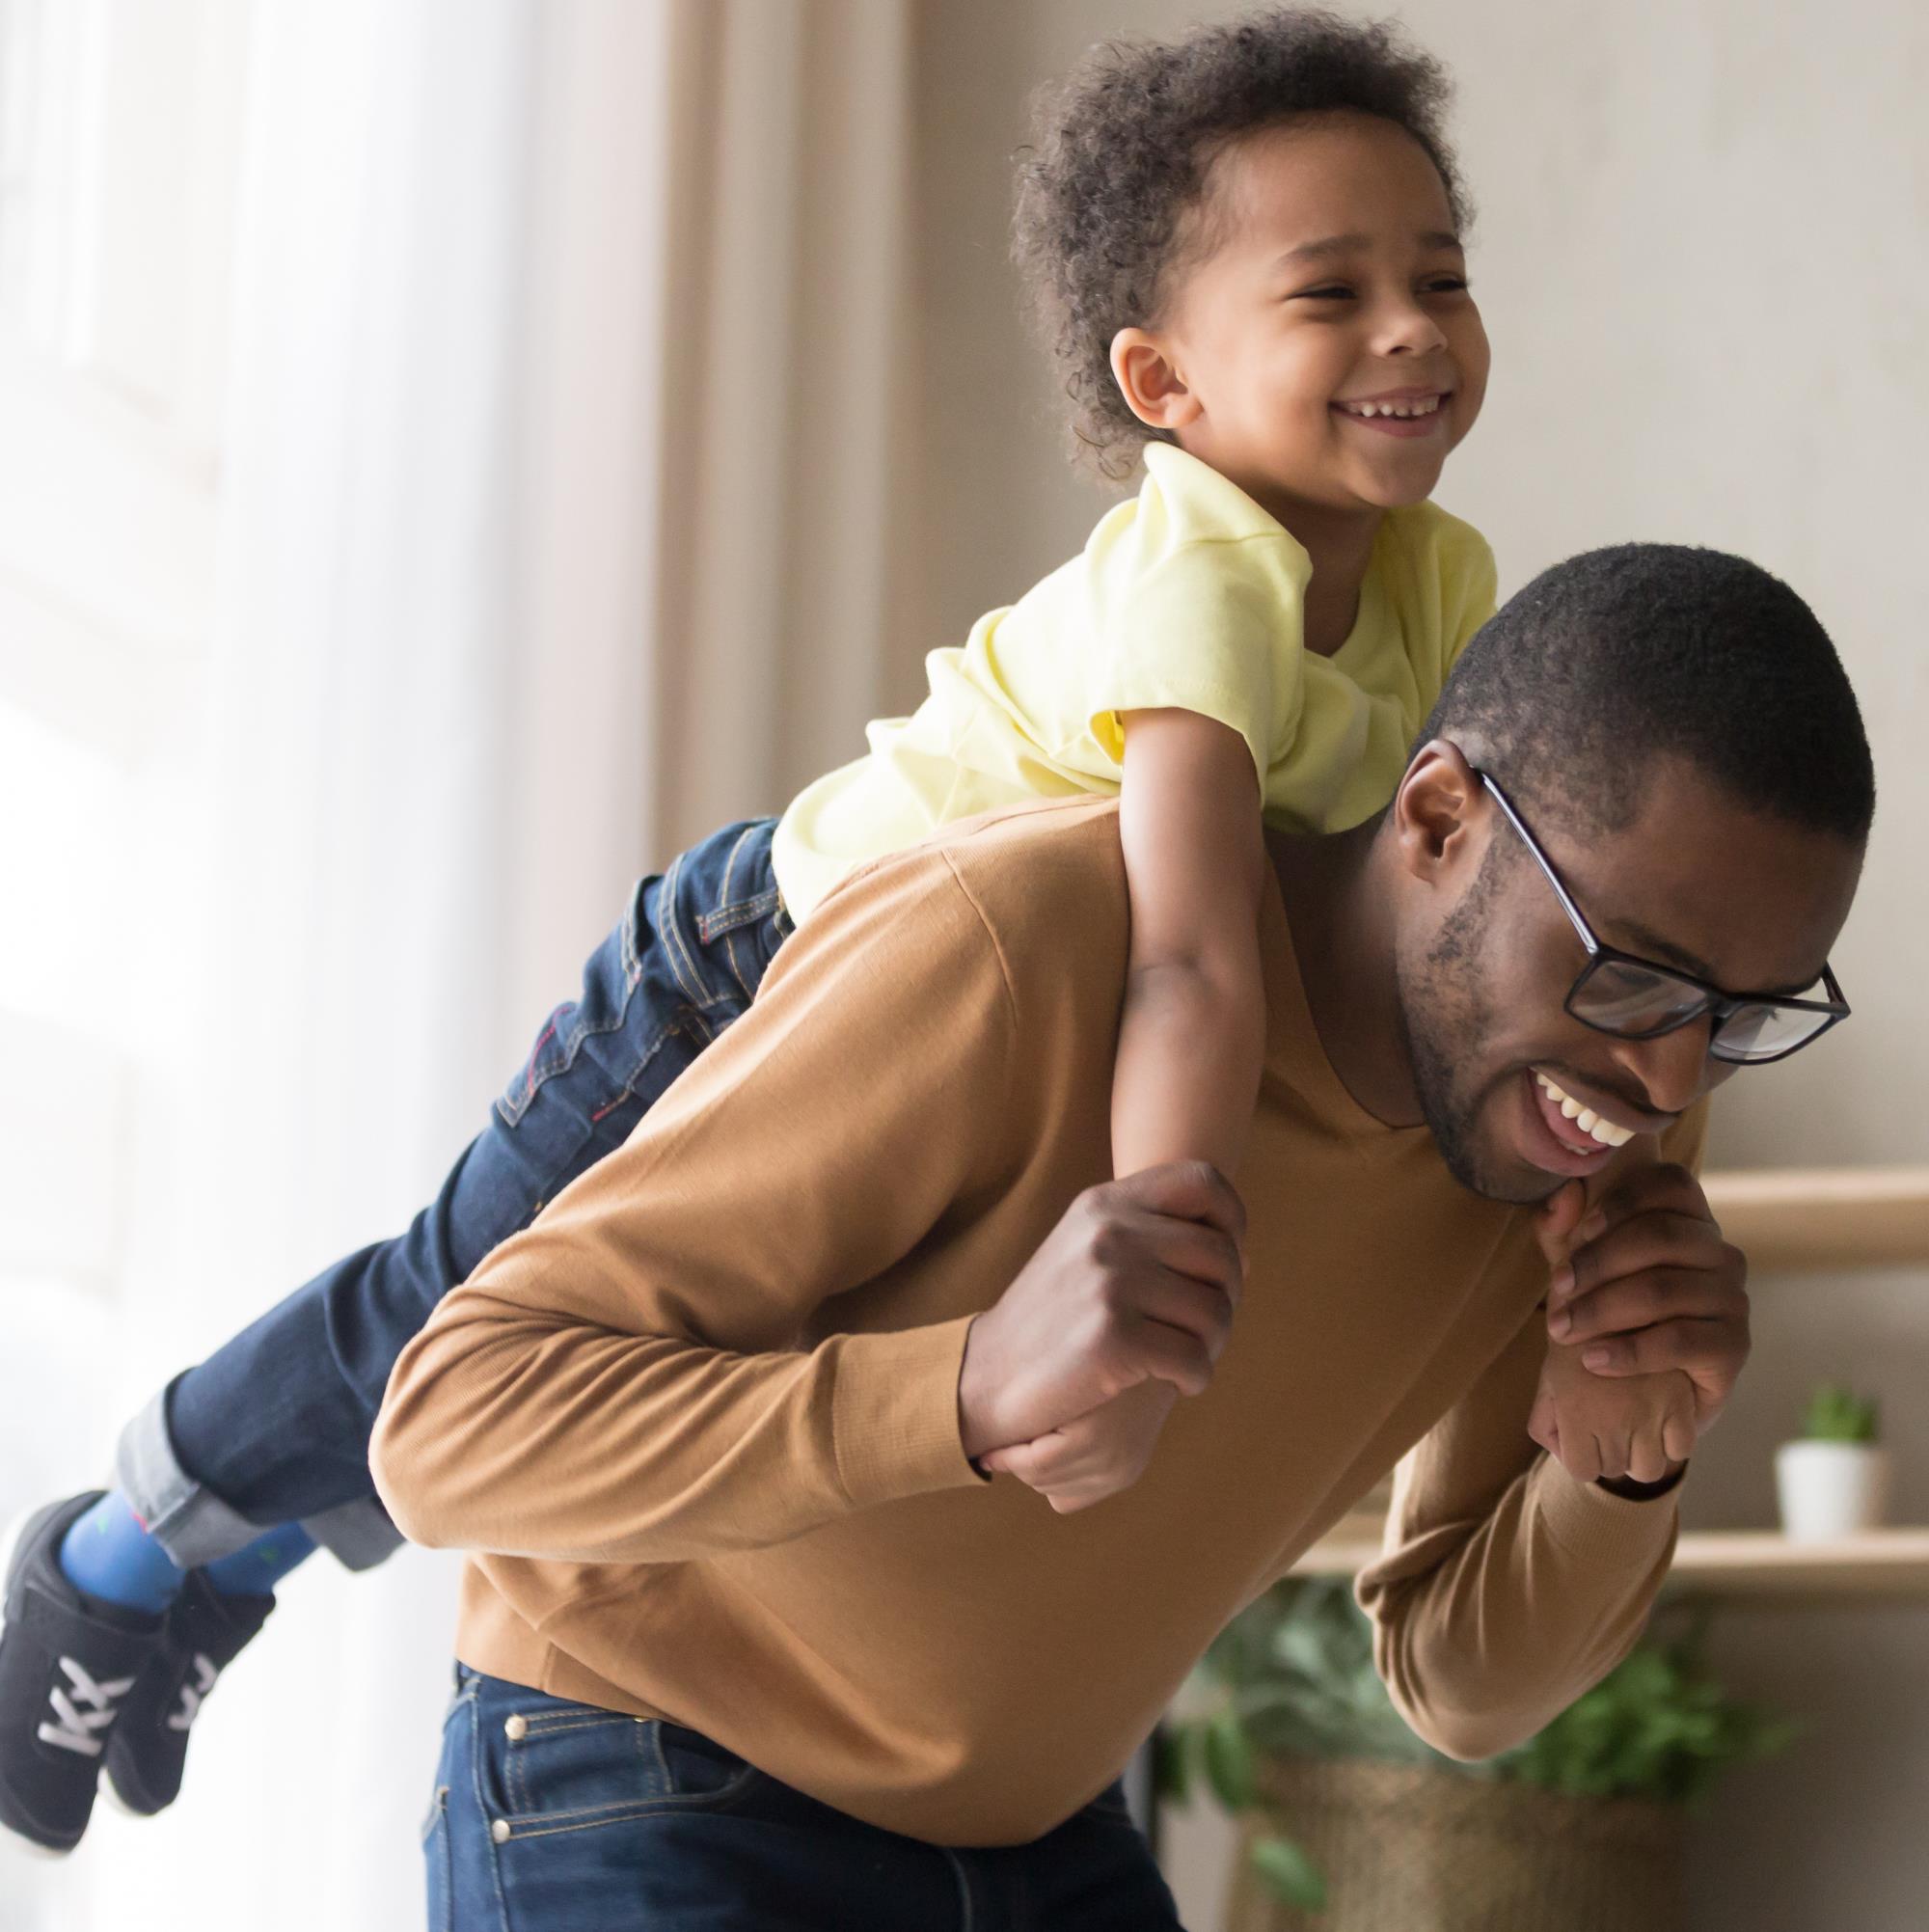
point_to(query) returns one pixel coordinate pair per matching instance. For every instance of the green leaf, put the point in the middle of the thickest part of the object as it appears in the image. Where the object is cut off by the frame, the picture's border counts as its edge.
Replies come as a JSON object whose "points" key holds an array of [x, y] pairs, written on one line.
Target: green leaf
{"points": [[1836, 1414], [1229, 1761], [1302, 1649], [1290, 1873]]}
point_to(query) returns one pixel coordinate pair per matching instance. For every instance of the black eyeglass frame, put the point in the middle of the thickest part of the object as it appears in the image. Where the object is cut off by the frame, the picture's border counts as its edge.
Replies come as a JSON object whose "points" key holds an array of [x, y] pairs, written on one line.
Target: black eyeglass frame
{"points": [[1715, 999]]}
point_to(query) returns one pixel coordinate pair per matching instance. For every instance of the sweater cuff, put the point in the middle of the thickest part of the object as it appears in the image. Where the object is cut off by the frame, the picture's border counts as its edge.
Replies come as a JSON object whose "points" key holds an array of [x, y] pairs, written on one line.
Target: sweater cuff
{"points": [[1597, 1526], [894, 1414]]}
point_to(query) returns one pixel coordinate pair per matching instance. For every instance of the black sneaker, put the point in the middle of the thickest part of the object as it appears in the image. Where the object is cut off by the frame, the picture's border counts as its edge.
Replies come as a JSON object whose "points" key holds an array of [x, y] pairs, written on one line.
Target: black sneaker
{"points": [[147, 1749], [66, 1665]]}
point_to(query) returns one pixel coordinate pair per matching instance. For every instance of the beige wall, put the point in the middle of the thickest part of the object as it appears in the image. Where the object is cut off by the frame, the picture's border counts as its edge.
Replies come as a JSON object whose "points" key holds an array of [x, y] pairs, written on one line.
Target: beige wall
{"points": [[1700, 257]]}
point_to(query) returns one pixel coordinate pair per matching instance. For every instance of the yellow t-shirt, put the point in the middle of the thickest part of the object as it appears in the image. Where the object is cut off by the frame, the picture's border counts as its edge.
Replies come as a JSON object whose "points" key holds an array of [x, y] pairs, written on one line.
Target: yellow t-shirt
{"points": [[1187, 596]]}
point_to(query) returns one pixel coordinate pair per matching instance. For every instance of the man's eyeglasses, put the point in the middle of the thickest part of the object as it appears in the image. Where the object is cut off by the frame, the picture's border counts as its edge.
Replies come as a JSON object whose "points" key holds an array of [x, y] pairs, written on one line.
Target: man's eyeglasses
{"points": [[1621, 993]]}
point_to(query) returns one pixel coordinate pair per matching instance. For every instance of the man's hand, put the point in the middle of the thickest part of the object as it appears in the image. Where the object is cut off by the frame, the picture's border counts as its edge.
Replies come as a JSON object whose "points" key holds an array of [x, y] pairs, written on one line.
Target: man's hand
{"points": [[1648, 1286], [1132, 1294]]}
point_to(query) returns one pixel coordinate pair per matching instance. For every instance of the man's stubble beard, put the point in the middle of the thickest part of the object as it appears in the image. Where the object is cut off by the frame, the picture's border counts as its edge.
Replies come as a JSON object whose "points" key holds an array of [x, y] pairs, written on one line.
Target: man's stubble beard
{"points": [[1448, 1021]]}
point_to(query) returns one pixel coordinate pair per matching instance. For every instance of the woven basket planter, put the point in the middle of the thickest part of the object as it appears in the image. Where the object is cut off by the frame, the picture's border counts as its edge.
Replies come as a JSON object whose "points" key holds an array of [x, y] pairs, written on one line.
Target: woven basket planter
{"points": [[1408, 1848]]}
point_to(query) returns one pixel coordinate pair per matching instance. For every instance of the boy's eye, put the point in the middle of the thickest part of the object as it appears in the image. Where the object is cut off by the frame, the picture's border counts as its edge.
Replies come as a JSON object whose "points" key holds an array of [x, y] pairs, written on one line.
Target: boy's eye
{"points": [[1336, 291], [1448, 285]]}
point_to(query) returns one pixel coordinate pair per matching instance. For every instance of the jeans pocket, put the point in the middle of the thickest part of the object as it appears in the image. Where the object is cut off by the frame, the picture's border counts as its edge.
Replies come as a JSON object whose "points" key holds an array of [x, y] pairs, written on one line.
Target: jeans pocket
{"points": [[696, 1769], [554, 1766]]}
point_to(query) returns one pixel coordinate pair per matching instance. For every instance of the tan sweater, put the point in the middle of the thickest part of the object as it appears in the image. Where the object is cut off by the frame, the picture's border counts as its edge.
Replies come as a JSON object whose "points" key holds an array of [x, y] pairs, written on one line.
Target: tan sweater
{"points": [[703, 1411]]}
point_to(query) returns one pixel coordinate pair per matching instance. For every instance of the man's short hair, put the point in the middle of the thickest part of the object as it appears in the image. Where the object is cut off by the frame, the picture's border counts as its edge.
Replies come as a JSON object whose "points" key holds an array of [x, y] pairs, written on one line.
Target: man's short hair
{"points": [[1621, 656]]}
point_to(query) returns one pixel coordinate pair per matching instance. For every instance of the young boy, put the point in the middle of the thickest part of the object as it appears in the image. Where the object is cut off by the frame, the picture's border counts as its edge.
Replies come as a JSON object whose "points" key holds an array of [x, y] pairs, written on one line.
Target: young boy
{"points": [[1247, 248]]}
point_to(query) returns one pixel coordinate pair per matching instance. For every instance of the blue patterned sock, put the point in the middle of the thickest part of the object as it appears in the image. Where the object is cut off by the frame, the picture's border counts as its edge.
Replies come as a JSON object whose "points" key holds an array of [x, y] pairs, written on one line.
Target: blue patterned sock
{"points": [[255, 1571], [109, 1555]]}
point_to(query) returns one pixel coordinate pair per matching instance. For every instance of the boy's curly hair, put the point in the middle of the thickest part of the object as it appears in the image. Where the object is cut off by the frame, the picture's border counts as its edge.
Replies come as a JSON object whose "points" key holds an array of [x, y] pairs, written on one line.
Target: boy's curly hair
{"points": [[1119, 157]]}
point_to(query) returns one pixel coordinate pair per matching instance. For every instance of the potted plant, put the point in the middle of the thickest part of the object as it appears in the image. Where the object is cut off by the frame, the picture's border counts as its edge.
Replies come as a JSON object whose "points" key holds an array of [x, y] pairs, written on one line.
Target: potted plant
{"points": [[1834, 1481], [1350, 1823]]}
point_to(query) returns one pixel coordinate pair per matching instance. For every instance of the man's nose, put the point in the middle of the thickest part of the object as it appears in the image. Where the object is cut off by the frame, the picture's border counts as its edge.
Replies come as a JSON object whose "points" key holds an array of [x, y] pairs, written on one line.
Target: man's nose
{"points": [[1675, 1068]]}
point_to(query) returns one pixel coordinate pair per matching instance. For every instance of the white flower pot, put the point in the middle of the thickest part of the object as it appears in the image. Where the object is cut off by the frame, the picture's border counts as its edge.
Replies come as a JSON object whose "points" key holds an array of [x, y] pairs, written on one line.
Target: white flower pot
{"points": [[1830, 1490]]}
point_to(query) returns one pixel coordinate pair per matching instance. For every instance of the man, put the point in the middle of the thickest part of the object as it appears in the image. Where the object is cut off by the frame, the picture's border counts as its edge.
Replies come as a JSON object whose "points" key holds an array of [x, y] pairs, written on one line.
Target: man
{"points": [[832, 1427]]}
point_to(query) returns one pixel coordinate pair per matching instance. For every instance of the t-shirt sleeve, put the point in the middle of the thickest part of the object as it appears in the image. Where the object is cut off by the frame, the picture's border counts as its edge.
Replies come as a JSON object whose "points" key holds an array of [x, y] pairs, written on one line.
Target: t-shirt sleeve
{"points": [[623, 1381], [1506, 1589], [1214, 628]]}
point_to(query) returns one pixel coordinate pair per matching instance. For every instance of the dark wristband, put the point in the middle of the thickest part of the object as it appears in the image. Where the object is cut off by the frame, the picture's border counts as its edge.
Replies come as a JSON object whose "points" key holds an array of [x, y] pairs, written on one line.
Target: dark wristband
{"points": [[1631, 1491]]}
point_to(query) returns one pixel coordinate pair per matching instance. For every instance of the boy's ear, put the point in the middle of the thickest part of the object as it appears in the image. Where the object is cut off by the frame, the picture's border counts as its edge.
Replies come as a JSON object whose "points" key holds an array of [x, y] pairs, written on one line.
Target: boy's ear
{"points": [[1150, 381]]}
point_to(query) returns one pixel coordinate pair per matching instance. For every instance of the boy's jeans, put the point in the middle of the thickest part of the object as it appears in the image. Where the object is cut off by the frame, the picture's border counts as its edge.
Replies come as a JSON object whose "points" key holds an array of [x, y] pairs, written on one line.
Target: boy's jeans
{"points": [[274, 1427], [551, 1816]]}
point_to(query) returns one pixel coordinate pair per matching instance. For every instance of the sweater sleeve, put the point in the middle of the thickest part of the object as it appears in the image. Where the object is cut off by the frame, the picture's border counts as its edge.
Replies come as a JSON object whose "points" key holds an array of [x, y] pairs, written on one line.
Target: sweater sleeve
{"points": [[626, 1379], [1507, 1587]]}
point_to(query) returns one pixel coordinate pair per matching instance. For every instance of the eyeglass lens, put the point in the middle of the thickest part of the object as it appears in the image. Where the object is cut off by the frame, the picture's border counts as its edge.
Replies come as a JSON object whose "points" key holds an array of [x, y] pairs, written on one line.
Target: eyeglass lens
{"points": [[1636, 1002]]}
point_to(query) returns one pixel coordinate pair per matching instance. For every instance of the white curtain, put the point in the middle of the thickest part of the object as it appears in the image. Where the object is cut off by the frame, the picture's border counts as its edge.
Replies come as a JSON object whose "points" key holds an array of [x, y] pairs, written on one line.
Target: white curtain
{"points": [[568, 363], [359, 766]]}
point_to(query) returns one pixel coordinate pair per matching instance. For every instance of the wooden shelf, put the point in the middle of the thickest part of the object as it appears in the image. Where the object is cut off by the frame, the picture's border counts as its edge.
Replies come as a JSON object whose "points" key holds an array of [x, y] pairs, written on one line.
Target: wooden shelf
{"points": [[1791, 1219], [1764, 1563], [1733, 1563]]}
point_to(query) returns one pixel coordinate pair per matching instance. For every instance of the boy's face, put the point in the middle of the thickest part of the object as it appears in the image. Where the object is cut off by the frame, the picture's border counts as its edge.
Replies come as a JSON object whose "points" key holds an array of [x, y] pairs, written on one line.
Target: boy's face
{"points": [[1333, 281]]}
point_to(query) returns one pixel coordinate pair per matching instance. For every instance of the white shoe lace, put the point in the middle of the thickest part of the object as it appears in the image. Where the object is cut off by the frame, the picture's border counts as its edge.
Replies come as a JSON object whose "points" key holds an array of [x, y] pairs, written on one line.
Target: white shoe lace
{"points": [[192, 1694], [76, 1731]]}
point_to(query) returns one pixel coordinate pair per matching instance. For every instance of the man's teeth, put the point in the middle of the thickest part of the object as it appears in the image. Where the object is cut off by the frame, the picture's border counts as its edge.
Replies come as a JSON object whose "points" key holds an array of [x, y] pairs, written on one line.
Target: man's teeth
{"points": [[1423, 406], [1585, 1118]]}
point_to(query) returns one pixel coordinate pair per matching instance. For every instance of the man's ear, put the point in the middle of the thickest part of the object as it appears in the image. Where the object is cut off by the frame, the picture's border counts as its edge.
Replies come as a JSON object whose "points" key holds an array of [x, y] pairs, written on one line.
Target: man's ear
{"points": [[1150, 381], [1441, 813]]}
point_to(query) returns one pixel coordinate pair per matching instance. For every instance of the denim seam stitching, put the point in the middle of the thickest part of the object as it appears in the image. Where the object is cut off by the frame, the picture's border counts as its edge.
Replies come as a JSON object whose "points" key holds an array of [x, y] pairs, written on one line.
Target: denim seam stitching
{"points": [[534, 1081], [735, 914], [483, 1812], [731, 936], [552, 1723], [632, 952], [626, 1092], [732, 914], [590, 1818], [682, 962], [533, 1084]]}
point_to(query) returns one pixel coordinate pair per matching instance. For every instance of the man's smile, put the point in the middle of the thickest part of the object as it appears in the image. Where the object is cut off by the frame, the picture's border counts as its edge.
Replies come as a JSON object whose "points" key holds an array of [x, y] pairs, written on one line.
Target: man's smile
{"points": [[1554, 1141]]}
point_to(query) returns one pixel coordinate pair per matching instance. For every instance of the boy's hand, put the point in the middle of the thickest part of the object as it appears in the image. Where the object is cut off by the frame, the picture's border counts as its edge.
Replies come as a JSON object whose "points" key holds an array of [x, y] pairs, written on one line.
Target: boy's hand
{"points": [[1094, 1457], [1643, 1285], [1126, 1305], [1601, 1428]]}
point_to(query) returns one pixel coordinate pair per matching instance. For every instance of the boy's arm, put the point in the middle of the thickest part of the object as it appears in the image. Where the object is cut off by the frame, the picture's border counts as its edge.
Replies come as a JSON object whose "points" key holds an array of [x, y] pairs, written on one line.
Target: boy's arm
{"points": [[622, 1381], [1192, 1029]]}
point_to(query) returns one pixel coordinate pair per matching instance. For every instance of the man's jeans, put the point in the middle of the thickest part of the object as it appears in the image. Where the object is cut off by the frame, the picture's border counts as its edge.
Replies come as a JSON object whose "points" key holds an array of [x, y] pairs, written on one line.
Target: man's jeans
{"points": [[274, 1428], [550, 1816]]}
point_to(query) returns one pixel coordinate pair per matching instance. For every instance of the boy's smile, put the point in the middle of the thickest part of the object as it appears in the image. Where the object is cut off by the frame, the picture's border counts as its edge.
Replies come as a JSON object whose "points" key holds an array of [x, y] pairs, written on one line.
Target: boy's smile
{"points": [[1399, 412]]}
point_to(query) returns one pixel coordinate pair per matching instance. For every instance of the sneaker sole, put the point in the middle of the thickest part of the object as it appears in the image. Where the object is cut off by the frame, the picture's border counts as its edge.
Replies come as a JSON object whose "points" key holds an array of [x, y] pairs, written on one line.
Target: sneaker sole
{"points": [[9, 1544], [111, 1791]]}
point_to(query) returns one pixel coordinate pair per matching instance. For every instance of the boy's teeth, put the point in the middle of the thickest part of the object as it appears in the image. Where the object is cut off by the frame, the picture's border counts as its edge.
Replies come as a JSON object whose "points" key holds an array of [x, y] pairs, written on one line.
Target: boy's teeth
{"points": [[1425, 406], [1585, 1118]]}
